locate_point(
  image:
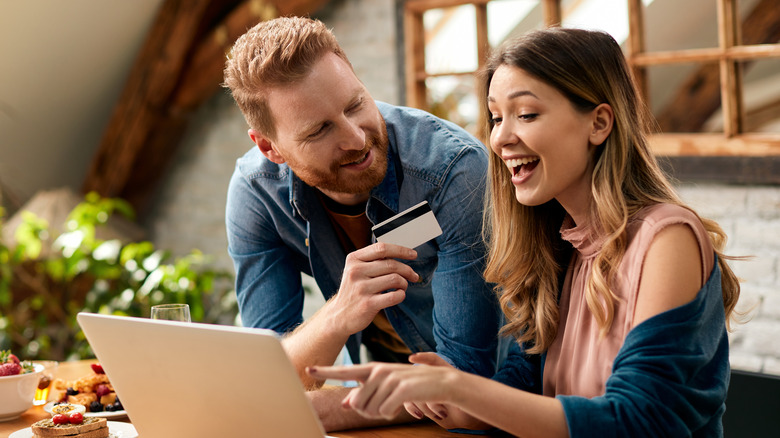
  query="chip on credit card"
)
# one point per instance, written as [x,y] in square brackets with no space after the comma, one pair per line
[410,228]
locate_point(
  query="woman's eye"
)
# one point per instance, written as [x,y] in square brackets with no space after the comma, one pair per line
[529,116]
[496,120]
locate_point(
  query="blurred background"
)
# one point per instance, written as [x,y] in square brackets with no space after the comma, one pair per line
[122,99]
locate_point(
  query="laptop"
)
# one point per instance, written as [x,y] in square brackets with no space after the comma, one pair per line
[201,380]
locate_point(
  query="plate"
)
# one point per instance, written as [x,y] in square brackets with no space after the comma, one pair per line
[116,429]
[105,414]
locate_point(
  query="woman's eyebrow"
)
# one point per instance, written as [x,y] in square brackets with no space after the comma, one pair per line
[515,95]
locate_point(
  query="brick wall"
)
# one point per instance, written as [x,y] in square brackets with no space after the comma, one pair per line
[189,209]
[750,215]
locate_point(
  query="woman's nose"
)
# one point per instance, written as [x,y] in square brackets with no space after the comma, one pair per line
[502,135]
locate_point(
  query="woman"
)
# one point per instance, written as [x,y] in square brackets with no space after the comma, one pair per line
[616,292]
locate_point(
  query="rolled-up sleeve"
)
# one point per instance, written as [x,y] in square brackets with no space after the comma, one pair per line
[466,314]
[268,285]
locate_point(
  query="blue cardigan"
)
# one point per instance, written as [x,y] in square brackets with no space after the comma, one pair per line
[669,379]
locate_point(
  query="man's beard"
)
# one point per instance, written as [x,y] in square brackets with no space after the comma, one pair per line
[339,180]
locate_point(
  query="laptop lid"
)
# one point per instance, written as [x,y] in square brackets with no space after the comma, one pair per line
[200,380]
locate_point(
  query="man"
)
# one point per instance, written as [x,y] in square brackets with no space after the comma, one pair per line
[329,163]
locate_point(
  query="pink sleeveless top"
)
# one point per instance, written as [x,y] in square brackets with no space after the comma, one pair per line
[579,362]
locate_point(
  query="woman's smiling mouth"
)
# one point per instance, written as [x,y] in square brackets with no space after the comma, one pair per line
[524,165]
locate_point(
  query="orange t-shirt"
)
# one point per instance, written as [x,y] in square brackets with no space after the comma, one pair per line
[354,232]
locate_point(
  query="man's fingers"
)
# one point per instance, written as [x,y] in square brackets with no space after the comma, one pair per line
[378,269]
[382,250]
[390,298]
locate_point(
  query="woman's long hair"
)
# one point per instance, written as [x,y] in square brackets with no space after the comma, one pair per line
[526,255]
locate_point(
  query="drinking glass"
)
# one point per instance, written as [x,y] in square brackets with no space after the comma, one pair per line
[44,384]
[172,312]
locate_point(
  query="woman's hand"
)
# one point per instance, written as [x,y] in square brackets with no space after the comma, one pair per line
[446,416]
[437,412]
[386,387]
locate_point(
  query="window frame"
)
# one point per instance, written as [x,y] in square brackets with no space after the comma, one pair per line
[733,156]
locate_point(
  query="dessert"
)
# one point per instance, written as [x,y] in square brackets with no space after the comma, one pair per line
[94,392]
[10,365]
[73,425]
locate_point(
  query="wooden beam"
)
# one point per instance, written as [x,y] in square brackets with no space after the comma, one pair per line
[730,71]
[177,69]
[414,56]
[552,13]
[699,96]
[739,53]
[636,45]
[755,145]
[762,115]
[151,81]
[754,170]
[420,6]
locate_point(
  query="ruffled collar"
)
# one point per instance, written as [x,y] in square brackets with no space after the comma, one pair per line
[583,238]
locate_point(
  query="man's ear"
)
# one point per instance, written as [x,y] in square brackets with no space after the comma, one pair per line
[266,146]
[603,119]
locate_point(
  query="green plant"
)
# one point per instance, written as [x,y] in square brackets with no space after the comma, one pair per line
[45,283]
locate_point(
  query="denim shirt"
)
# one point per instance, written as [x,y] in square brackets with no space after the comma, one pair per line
[277,228]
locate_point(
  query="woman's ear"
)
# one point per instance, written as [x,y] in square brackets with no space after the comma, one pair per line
[266,146]
[603,119]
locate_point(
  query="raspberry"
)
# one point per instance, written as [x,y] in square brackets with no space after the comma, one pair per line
[10,369]
[102,390]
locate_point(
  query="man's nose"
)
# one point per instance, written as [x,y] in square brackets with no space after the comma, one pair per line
[352,136]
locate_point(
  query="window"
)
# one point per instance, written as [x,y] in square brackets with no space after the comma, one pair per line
[709,70]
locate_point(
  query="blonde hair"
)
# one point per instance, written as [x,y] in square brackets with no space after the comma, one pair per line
[273,53]
[526,256]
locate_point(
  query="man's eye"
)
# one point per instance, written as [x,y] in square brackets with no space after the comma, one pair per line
[319,131]
[355,107]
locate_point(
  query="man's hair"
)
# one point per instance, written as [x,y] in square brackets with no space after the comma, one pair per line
[274,53]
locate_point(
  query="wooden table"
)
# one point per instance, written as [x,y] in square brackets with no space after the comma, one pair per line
[75,370]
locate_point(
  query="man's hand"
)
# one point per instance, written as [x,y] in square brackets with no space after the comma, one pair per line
[373,280]
[326,401]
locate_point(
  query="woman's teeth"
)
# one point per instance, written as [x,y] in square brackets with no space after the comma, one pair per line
[515,163]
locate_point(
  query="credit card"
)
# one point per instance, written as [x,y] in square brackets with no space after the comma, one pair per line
[410,228]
